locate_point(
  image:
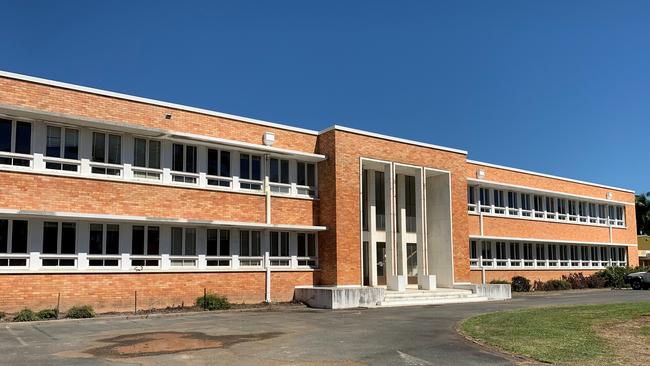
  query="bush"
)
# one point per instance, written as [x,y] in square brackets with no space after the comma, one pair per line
[2,315]
[500,282]
[48,314]
[213,302]
[613,276]
[577,281]
[555,285]
[25,315]
[520,284]
[596,281]
[79,312]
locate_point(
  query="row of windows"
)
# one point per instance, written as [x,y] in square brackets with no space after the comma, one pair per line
[498,254]
[520,204]
[380,201]
[61,238]
[62,153]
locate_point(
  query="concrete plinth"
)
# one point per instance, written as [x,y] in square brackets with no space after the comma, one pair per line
[427,282]
[339,297]
[397,283]
[491,291]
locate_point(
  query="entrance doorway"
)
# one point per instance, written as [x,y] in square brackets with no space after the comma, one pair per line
[412,262]
[381,263]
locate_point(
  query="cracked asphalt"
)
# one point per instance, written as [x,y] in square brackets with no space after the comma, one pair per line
[422,335]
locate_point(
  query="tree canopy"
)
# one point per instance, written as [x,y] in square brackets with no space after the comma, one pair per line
[643,214]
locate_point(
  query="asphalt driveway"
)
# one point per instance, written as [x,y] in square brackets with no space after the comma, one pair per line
[422,335]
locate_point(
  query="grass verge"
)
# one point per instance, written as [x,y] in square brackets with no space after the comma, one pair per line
[560,335]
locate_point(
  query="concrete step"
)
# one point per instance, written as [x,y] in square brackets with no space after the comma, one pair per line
[433,301]
[425,294]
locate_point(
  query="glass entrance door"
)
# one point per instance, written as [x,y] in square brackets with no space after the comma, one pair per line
[381,263]
[412,262]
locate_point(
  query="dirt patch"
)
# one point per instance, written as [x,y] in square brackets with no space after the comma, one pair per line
[158,343]
[630,347]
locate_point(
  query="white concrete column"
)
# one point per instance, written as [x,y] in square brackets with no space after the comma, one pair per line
[372,229]
[401,219]
[394,280]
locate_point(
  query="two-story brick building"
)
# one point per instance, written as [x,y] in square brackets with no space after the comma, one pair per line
[105,194]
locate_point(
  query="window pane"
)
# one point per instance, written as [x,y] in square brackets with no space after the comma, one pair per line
[4,232]
[140,152]
[190,241]
[213,162]
[177,241]
[50,237]
[256,249]
[274,167]
[275,244]
[96,239]
[243,243]
[190,159]
[256,165]
[53,142]
[177,158]
[225,164]
[284,244]
[112,239]
[23,137]
[114,149]
[99,147]
[284,171]
[302,245]
[311,245]
[68,237]
[244,167]
[213,241]
[224,242]
[71,144]
[301,174]
[137,240]
[311,175]
[154,154]
[5,135]
[153,240]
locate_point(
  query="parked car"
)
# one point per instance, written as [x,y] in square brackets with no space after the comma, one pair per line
[638,280]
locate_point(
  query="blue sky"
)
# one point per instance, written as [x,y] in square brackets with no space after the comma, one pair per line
[559,87]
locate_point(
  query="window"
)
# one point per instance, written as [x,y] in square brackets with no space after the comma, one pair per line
[582,211]
[15,137]
[307,248]
[364,200]
[471,197]
[486,253]
[13,239]
[104,240]
[62,142]
[538,202]
[525,204]
[57,241]
[279,171]
[146,154]
[484,196]
[574,256]
[249,243]
[528,255]
[250,169]
[218,242]
[306,178]
[107,148]
[550,207]
[514,252]
[564,255]
[409,200]
[540,253]
[249,246]
[218,166]
[279,248]
[184,160]
[573,210]
[498,198]
[512,200]
[501,254]
[592,212]
[380,204]
[602,214]
[620,216]
[473,252]
[145,240]
[183,244]
[561,208]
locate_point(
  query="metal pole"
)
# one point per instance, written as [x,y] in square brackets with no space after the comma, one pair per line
[267,264]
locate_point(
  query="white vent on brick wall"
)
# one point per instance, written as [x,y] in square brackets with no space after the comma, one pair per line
[480,173]
[269,138]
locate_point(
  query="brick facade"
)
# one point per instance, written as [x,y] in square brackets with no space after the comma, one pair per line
[337,207]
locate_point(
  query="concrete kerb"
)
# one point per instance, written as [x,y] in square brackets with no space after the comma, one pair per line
[491,291]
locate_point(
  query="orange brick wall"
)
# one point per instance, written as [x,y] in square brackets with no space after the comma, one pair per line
[294,211]
[76,103]
[116,292]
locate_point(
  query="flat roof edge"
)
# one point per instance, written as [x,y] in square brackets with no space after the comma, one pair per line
[392,138]
[549,176]
[134,98]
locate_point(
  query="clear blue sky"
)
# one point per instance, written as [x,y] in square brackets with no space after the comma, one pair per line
[560,87]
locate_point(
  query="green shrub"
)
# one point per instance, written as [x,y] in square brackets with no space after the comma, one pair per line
[83,311]
[614,276]
[500,282]
[48,314]
[2,315]
[213,302]
[596,281]
[520,284]
[25,315]
[556,285]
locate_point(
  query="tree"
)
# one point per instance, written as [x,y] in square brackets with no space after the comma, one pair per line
[642,204]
